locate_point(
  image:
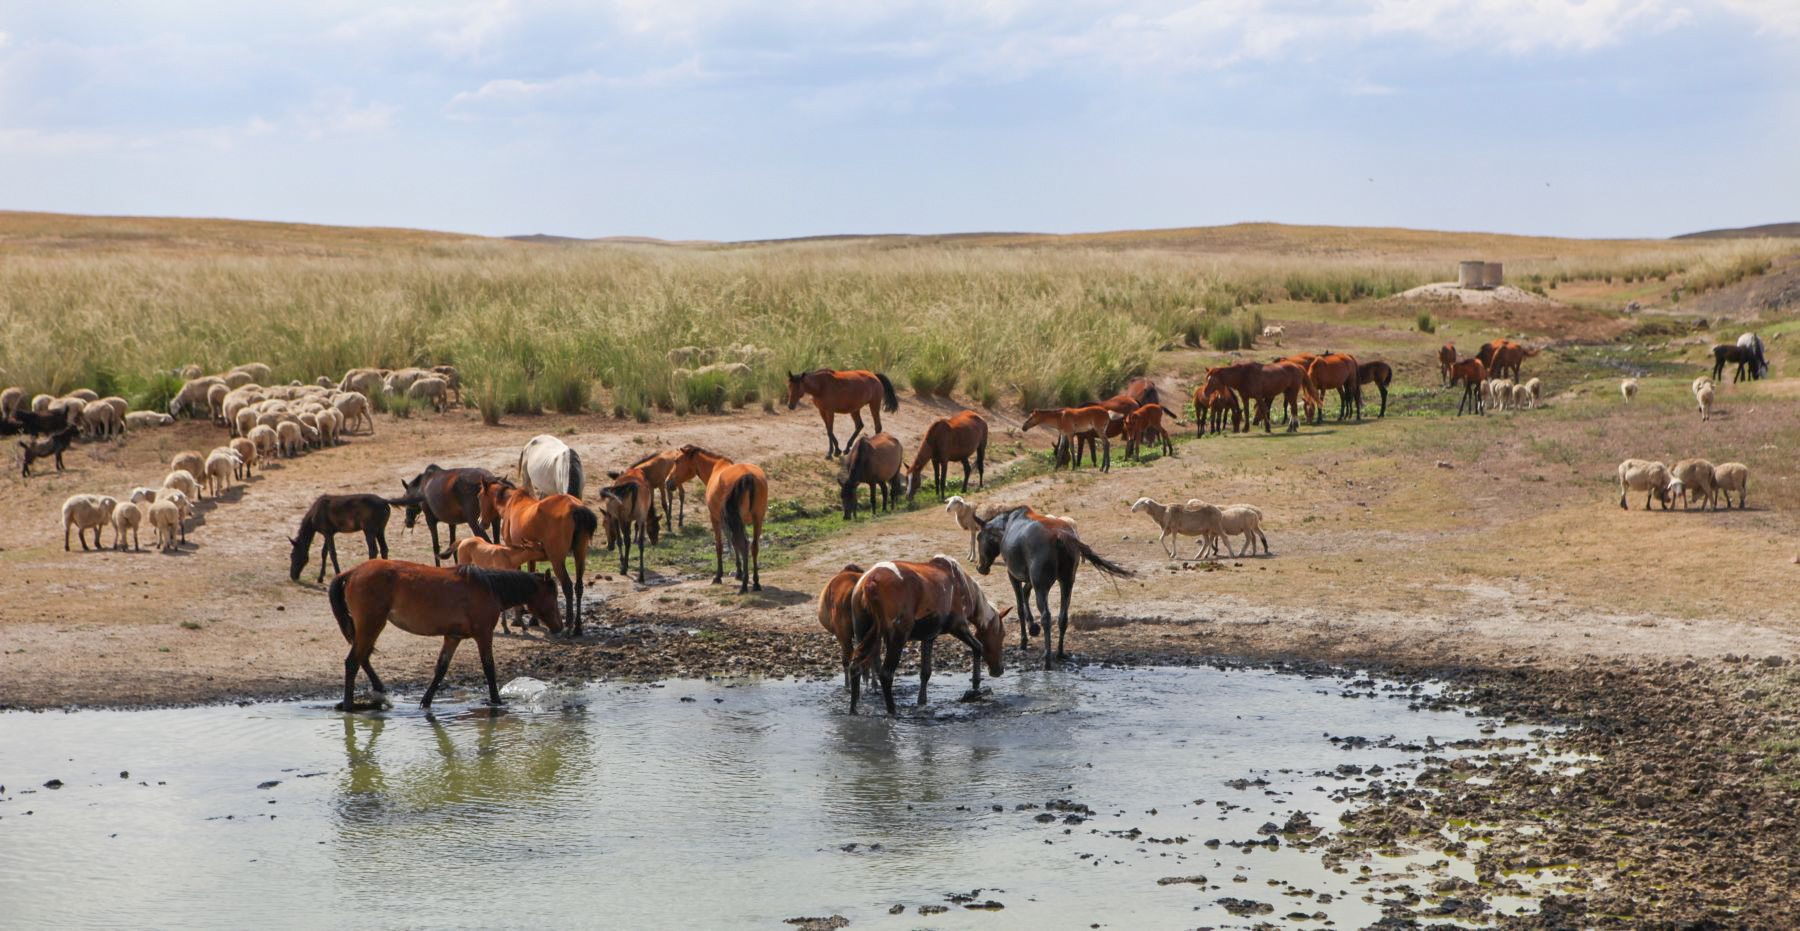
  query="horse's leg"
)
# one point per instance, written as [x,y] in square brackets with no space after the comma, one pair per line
[1043,602]
[640,548]
[875,415]
[975,652]
[485,644]
[855,418]
[443,665]
[830,419]
[1021,594]
[568,587]
[471,508]
[756,525]
[431,525]
[924,668]
[718,554]
[1062,626]
[889,663]
[1106,444]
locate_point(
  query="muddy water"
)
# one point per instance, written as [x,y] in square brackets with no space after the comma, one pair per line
[694,804]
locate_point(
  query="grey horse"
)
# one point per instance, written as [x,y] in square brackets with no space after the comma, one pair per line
[1038,554]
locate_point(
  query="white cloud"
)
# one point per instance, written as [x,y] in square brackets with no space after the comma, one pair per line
[336,112]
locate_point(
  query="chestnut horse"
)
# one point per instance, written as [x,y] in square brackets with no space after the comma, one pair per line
[558,523]
[1379,374]
[875,461]
[1253,381]
[1503,355]
[1073,423]
[1337,371]
[629,504]
[457,604]
[837,393]
[448,495]
[947,440]
[659,471]
[834,614]
[1213,403]
[895,602]
[737,494]
[1145,423]
[1471,372]
[1446,358]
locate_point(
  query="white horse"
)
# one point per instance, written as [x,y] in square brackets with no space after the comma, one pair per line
[547,466]
[1753,342]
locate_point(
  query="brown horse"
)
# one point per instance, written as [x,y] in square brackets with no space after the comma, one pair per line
[1446,358]
[947,440]
[834,614]
[659,470]
[737,494]
[1471,372]
[895,602]
[560,524]
[1254,381]
[484,555]
[1143,391]
[1379,374]
[456,604]
[1145,424]
[1502,356]
[449,495]
[835,393]
[1076,423]
[1212,404]
[874,461]
[334,514]
[629,504]
[1336,371]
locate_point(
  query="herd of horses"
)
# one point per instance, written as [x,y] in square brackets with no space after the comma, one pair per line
[1247,391]
[1494,359]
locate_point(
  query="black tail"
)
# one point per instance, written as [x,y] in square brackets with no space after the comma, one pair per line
[734,521]
[586,522]
[341,608]
[1100,562]
[867,634]
[890,402]
[577,477]
[981,462]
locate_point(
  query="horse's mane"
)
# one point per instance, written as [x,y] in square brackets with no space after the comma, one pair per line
[645,459]
[509,586]
[691,448]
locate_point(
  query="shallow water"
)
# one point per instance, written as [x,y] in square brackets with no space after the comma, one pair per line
[695,804]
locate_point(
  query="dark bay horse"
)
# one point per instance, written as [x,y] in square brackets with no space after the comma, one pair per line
[630,507]
[1379,374]
[947,440]
[1038,554]
[874,461]
[1211,404]
[449,495]
[895,602]
[1471,372]
[457,604]
[835,393]
[558,524]
[334,514]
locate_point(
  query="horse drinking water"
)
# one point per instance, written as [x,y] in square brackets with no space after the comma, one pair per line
[895,602]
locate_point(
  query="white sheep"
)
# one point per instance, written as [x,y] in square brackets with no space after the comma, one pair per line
[1693,479]
[291,438]
[1646,476]
[10,401]
[215,401]
[267,442]
[1698,382]
[246,453]
[256,370]
[119,404]
[355,409]
[87,395]
[243,422]
[1705,397]
[221,465]
[40,404]
[969,517]
[234,379]
[1628,388]
[180,480]
[433,388]
[192,394]
[127,516]
[84,513]
[1536,386]
[165,522]
[1521,397]
[1204,521]
[190,462]
[1273,332]
[362,381]
[191,370]
[1729,477]
[143,494]
[1240,518]
[1499,393]
[399,380]
[102,420]
[330,422]
[138,420]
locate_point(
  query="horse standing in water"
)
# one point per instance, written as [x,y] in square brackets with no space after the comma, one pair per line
[1038,554]
[947,440]
[457,604]
[834,615]
[449,495]
[895,602]
[334,514]
[835,393]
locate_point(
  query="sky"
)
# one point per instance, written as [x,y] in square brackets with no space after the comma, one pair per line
[749,119]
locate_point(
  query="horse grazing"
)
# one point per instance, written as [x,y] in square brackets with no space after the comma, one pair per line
[457,604]
[835,393]
[947,440]
[1254,381]
[560,524]
[334,514]
[1337,371]
[874,461]
[1145,425]
[1038,554]
[1754,343]
[1471,372]
[547,466]
[52,448]
[737,500]
[1379,374]
[895,602]
[1746,359]
[1212,403]
[834,614]
[449,495]
[1075,425]
[1446,358]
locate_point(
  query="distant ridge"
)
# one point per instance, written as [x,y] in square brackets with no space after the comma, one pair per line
[1746,232]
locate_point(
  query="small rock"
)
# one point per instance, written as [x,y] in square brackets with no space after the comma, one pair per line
[269,785]
[53,784]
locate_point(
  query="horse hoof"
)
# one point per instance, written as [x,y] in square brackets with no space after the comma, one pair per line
[1034,628]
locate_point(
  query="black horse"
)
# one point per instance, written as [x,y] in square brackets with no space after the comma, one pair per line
[1039,553]
[334,514]
[1750,357]
[449,495]
[52,447]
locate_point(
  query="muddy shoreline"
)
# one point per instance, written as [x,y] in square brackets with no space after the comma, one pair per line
[1680,814]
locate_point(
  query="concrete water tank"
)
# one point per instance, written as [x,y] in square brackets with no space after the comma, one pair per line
[1490,275]
[1469,274]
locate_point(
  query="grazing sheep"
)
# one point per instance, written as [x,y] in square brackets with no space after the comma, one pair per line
[71,408]
[450,374]
[87,395]
[190,462]
[1204,521]
[192,395]
[165,523]
[40,403]
[127,516]
[310,436]
[324,381]
[84,513]
[362,381]
[1729,477]
[221,465]
[11,400]
[1536,387]
[138,420]
[355,408]
[399,380]
[102,420]
[243,422]
[687,356]
[233,380]
[1521,397]
[1240,518]
[1693,479]
[1628,388]
[267,442]
[190,371]
[433,388]
[118,404]
[290,439]
[1273,332]
[215,401]
[1499,393]
[1705,397]
[1652,478]
[143,494]
[180,480]
[257,371]
[330,423]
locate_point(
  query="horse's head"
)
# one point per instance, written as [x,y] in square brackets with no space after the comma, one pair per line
[1034,418]
[297,557]
[847,492]
[987,542]
[544,603]
[796,390]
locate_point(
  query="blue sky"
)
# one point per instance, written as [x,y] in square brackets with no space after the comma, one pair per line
[735,119]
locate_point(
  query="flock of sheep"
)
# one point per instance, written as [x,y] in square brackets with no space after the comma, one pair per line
[263,423]
[1705,392]
[1690,480]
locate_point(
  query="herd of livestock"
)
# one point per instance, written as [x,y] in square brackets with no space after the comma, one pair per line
[541,515]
